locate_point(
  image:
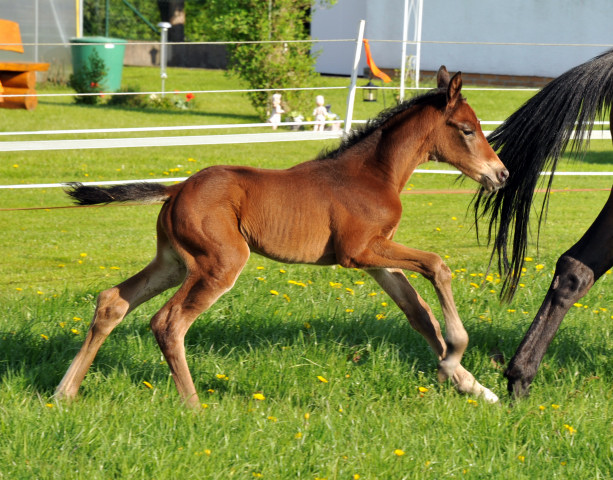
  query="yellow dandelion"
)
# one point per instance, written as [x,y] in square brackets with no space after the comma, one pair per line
[44,337]
[398,452]
[83,255]
[298,435]
[521,458]
[307,415]
[555,406]
[259,268]
[258,396]
[274,292]
[542,408]
[147,384]
[49,405]
[74,330]
[570,429]
[422,389]
[207,452]
[359,282]
[286,297]
[322,379]
[221,376]
[528,259]
[380,316]
[474,285]
[349,310]
[271,418]
[539,266]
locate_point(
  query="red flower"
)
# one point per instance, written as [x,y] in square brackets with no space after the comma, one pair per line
[189,96]
[93,84]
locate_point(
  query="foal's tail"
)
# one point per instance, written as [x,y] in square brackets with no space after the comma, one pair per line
[533,139]
[129,192]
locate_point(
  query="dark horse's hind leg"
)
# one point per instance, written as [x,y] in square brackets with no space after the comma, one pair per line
[576,272]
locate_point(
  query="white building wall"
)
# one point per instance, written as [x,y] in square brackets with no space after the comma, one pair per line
[501,21]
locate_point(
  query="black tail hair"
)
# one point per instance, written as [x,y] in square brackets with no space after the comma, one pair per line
[532,139]
[130,192]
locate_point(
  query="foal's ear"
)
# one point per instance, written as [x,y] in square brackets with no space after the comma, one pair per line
[454,90]
[442,77]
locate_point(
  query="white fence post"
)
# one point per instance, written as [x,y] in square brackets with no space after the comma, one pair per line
[354,77]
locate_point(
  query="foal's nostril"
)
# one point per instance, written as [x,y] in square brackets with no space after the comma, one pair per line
[503,175]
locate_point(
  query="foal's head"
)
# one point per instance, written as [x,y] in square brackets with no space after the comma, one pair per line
[461,142]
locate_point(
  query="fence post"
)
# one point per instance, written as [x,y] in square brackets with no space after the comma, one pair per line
[354,77]
[164,26]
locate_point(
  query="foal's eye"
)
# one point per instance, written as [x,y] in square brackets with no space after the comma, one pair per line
[468,133]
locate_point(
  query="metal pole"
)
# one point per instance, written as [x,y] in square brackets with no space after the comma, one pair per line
[403,61]
[164,26]
[354,77]
[106,18]
[420,7]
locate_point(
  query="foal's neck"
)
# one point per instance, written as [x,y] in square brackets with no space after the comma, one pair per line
[405,144]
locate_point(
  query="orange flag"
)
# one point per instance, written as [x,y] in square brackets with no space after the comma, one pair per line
[373,67]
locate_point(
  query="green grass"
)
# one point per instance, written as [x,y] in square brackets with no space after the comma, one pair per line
[263,343]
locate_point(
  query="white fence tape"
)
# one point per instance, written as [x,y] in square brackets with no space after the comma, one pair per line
[181,179]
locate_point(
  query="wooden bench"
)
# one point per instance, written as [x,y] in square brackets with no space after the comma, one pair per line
[17,78]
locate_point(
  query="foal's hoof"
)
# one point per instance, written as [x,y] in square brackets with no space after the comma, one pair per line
[489,396]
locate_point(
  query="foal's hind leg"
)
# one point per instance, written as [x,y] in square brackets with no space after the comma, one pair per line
[209,276]
[421,318]
[164,272]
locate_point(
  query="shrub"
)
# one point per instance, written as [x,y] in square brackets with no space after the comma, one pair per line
[89,79]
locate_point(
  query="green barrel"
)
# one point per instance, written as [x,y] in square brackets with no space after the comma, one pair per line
[110,50]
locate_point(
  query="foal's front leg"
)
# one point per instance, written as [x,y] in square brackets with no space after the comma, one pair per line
[421,318]
[384,253]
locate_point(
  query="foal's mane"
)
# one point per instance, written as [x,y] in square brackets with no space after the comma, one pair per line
[359,134]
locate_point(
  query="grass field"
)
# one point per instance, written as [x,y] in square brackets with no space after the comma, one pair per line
[345,389]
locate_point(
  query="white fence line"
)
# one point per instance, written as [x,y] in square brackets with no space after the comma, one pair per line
[184,140]
[181,179]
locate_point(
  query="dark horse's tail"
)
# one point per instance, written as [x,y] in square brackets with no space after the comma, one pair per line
[130,192]
[532,139]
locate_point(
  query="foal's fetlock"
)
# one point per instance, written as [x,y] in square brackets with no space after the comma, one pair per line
[446,369]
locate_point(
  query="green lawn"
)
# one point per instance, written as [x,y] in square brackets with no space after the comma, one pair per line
[369,418]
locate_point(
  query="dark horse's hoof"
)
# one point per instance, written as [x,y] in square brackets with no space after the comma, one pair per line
[518,386]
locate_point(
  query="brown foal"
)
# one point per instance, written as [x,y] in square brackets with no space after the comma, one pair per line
[342,208]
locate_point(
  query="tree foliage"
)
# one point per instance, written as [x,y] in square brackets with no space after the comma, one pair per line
[276,64]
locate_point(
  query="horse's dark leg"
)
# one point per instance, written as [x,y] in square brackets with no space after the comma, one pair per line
[576,272]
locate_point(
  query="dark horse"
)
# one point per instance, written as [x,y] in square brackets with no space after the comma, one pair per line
[342,208]
[530,140]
